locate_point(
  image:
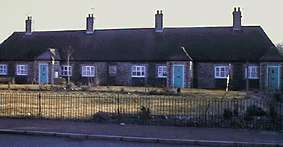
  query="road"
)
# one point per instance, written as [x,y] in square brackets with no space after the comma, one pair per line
[45,141]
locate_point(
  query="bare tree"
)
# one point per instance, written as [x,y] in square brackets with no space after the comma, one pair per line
[68,51]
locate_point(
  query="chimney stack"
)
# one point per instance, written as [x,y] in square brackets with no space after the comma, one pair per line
[237,19]
[159,21]
[28,25]
[89,24]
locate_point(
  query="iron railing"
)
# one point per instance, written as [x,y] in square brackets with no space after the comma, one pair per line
[153,109]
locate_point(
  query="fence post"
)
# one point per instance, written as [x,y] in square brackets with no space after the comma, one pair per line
[39,105]
[280,116]
[118,101]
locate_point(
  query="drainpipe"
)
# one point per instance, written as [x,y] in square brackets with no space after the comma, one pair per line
[190,62]
[228,78]
[52,71]
[247,76]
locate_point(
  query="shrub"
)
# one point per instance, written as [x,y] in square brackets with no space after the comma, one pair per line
[85,88]
[272,112]
[101,116]
[154,92]
[277,97]
[60,81]
[70,86]
[255,111]
[145,114]
[41,87]
[228,114]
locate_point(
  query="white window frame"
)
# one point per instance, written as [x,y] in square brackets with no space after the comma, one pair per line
[138,71]
[66,69]
[22,69]
[218,73]
[88,71]
[162,71]
[3,69]
[253,72]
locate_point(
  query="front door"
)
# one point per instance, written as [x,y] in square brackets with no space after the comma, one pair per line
[43,73]
[178,76]
[273,77]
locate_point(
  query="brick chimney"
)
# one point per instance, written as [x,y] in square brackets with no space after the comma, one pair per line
[28,26]
[237,19]
[89,24]
[159,21]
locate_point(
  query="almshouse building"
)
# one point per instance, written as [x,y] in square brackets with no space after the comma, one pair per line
[200,57]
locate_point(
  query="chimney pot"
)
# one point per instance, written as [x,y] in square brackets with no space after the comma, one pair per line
[29,25]
[237,19]
[159,21]
[89,24]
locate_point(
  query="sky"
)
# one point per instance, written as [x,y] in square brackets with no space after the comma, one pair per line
[50,15]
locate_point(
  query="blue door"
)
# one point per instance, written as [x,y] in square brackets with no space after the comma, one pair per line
[43,73]
[273,77]
[178,76]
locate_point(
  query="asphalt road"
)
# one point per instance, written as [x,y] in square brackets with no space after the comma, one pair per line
[45,141]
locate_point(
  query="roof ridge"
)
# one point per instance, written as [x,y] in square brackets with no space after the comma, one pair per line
[111,29]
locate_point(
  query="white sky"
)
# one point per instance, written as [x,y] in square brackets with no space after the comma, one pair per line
[70,14]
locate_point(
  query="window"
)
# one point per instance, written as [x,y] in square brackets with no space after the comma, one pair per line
[221,72]
[22,70]
[3,69]
[66,70]
[253,72]
[162,71]
[112,70]
[138,71]
[88,71]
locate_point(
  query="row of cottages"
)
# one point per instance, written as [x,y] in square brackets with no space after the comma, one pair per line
[200,57]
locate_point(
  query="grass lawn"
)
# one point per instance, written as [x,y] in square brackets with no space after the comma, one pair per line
[127,100]
[188,92]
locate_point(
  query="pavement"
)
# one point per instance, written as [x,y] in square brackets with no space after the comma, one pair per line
[142,133]
[12,140]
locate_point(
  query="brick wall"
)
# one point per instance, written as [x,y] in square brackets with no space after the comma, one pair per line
[188,77]
[205,75]
[122,77]
[206,78]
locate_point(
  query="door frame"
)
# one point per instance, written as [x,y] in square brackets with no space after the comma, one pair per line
[40,73]
[279,73]
[173,76]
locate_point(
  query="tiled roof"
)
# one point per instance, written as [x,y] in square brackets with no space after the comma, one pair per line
[144,44]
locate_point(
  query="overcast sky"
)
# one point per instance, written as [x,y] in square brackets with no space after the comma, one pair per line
[70,14]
